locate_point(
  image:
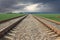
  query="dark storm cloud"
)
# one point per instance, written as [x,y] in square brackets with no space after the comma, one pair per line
[55,5]
[10,5]
[18,7]
[6,4]
[44,1]
[37,1]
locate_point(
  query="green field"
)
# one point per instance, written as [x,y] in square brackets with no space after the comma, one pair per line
[8,16]
[55,17]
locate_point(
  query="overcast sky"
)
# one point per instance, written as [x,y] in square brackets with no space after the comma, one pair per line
[29,5]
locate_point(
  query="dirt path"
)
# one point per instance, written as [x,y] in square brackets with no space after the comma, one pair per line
[30,29]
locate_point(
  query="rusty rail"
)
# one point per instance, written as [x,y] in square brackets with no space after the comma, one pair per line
[6,30]
[49,26]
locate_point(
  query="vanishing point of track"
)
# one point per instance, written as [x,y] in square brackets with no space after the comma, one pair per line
[29,28]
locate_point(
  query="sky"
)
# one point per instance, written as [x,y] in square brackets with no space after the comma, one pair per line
[29,6]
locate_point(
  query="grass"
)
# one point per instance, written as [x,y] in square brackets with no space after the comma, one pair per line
[8,16]
[55,17]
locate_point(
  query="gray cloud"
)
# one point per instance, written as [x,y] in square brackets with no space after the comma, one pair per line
[15,5]
[6,4]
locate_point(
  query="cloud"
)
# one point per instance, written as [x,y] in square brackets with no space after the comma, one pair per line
[38,7]
[5,5]
[30,5]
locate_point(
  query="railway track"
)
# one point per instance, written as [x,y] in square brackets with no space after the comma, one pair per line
[31,28]
[6,26]
[51,24]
